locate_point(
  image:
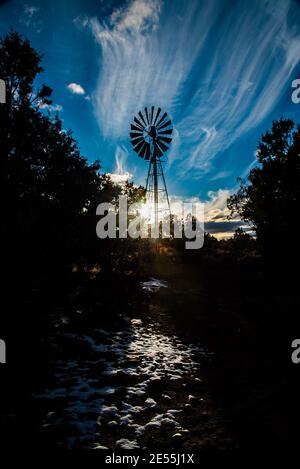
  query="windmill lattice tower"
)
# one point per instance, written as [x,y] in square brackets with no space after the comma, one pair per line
[151,135]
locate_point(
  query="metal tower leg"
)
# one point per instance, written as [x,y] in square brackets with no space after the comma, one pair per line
[155,182]
[155,186]
[148,176]
[165,185]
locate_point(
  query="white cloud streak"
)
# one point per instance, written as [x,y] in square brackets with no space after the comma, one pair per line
[51,107]
[216,206]
[120,174]
[75,88]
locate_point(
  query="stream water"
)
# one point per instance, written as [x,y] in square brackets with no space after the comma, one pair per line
[130,387]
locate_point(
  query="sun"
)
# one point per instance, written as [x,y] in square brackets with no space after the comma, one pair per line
[146,211]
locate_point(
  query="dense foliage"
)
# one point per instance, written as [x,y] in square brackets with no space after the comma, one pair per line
[270,199]
[49,191]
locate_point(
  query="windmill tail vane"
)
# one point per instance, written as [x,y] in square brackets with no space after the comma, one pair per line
[151,135]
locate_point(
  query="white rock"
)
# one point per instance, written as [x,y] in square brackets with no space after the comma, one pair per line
[152,425]
[127,444]
[150,403]
[112,423]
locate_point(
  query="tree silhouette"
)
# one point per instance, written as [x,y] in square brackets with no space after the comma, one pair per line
[270,198]
[50,190]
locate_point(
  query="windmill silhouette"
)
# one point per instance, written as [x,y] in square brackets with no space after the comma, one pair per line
[151,136]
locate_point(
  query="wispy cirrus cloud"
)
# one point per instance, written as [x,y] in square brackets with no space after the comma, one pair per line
[236,59]
[31,17]
[138,16]
[146,55]
[254,55]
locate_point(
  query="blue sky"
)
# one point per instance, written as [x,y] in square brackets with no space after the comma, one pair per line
[222,69]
